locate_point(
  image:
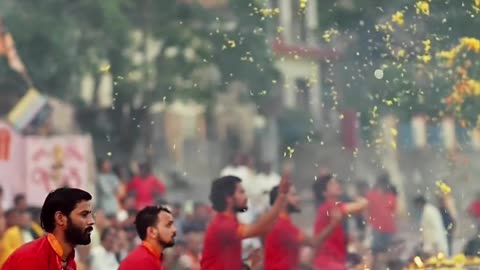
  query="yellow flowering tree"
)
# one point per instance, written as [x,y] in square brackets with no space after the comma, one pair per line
[463,65]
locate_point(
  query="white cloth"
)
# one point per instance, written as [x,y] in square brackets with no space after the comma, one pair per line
[433,232]
[27,236]
[103,259]
[122,215]
[107,186]
[242,172]
[264,183]
[187,262]
[95,238]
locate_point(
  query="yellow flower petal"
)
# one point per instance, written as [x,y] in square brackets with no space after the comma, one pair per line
[398,18]
[231,44]
[105,68]
[424,58]
[394,132]
[443,187]
[423,7]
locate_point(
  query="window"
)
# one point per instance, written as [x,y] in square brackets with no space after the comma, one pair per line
[299,23]
[302,94]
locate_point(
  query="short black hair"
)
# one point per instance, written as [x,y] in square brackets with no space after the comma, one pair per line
[19,197]
[64,200]
[320,186]
[222,188]
[100,163]
[148,217]
[273,195]
[105,233]
[420,199]
[145,167]
[383,181]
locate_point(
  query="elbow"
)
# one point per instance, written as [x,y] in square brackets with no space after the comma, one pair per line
[364,203]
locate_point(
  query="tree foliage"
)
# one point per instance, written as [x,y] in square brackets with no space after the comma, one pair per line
[156,51]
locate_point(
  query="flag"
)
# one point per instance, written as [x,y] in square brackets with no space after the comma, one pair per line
[27,109]
[7,49]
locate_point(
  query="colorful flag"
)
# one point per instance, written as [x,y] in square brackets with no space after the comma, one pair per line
[27,109]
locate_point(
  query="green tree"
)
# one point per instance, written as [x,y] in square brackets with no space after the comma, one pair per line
[61,41]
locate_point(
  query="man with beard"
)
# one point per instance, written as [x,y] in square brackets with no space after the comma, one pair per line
[156,228]
[283,242]
[222,245]
[67,219]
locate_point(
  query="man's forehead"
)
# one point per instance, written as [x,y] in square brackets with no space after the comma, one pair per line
[239,186]
[83,206]
[163,215]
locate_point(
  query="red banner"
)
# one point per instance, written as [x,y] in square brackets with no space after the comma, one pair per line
[5,144]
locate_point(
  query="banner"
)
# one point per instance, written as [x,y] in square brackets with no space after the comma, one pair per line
[12,157]
[55,162]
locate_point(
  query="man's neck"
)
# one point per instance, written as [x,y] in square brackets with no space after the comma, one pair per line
[155,245]
[66,247]
[332,198]
[231,211]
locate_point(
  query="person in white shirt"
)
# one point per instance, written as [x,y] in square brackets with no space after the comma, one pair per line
[434,235]
[103,256]
[239,167]
[265,181]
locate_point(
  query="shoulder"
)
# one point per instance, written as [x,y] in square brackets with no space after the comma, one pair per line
[278,230]
[137,259]
[12,231]
[23,258]
[34,247]
[221,227]
[324,208]
[98,251]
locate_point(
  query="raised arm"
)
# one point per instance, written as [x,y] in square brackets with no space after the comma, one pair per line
[356,206]
[316,240]
[267,220]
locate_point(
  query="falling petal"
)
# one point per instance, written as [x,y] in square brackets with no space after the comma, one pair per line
[394,132]
[394,145]
[443,187]
[105,68]
[398,18]
[232,44]
[423,7]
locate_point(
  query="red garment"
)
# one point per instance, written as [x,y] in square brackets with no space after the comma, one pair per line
[145,257]
[381,211]
[222,247]
[332,252]
[42,254]
[282,245]
[474,209]
[145,189]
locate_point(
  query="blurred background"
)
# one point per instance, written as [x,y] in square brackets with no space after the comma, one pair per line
[109,95]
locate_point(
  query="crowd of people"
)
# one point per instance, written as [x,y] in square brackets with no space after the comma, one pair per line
[247,224]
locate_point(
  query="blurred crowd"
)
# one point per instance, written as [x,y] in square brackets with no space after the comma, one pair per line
[372,235]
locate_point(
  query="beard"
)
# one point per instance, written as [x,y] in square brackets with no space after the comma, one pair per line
[166,244]
[293,209]
[241,209]
[77,236]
